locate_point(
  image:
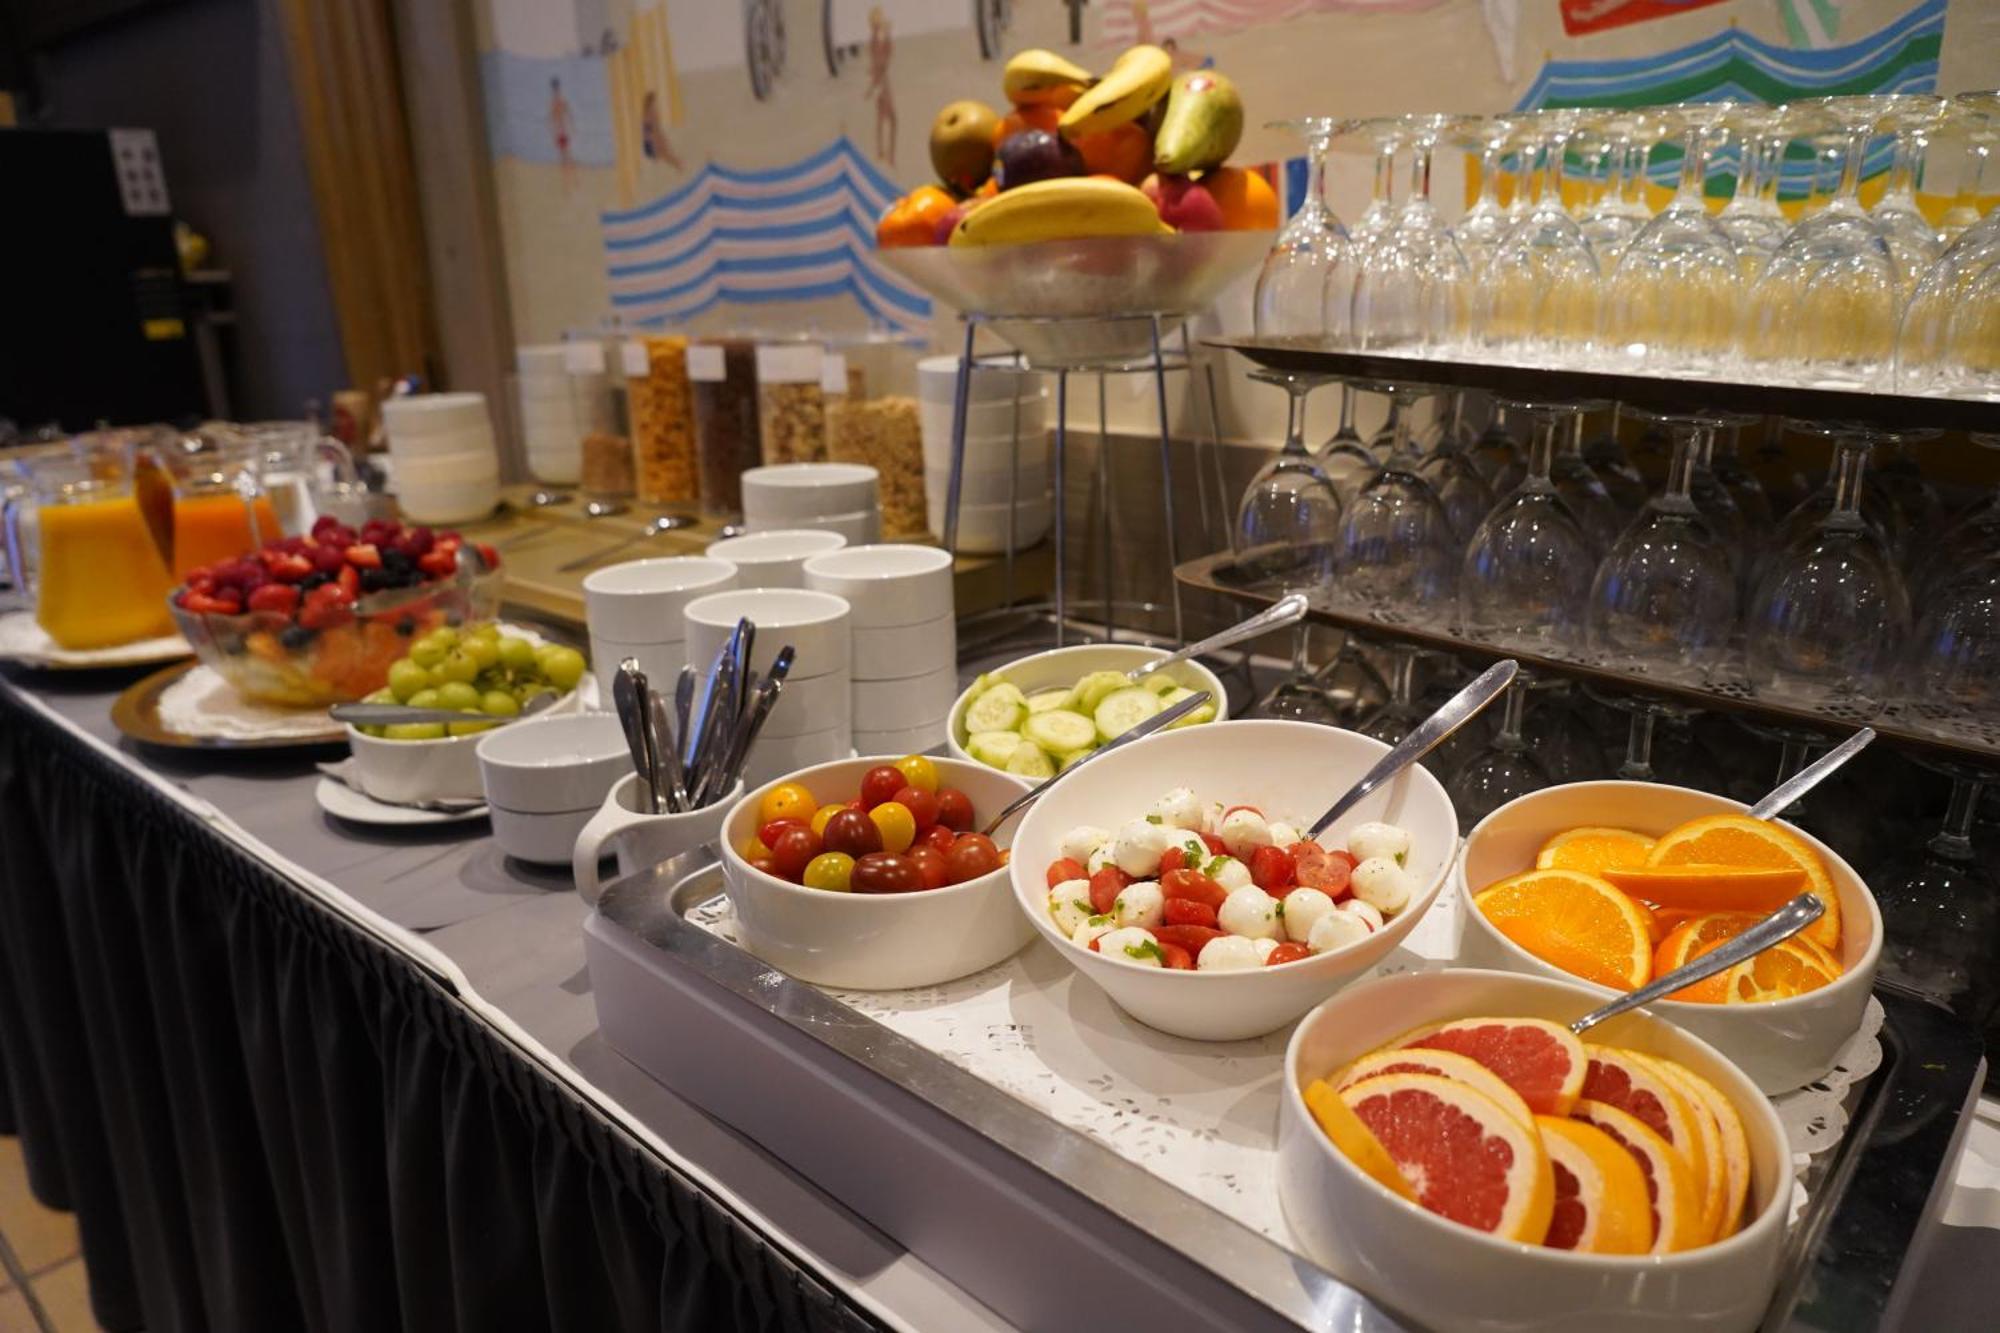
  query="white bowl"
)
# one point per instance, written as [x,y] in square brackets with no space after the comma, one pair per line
[1064,667]
[986,486]
[992,453]
[1782,1045]
[1450,1277]
[937,381]
[982,528]
[888,585]
[890,705]
[924,738]
[900,652]
[474,463]
[558,465]
[811,704]
[419,414]
[543,837]
[662,663]
[992,421]
[639,840]
[446,503]
[862,527]
[802,490]
[1283,768]
[874,941]
[641,601]
[772,757]
[774,558]
[814,623]
[441,770]
[554,765]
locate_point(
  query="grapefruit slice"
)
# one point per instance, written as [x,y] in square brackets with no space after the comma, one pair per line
[1583,924]
[1676,1209]
[1731,1144]
[1626,1080]
[1468,1159]
[1711,1175]
[1540,1060]
[1601,1205]
[1354,1139]
[1445,1064]
[1738,840]
[1593,850]
[1711,888]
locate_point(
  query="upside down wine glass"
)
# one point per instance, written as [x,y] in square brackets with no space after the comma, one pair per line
[1539,297]
[1290,296]
[1619,213]
[1411,282]
[1396,558]
[1950,340]
[1479,232]
[1526,571]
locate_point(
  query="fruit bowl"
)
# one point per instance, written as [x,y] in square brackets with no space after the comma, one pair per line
[1446,1276]
[1295,767]
[1781,1044]
[403,772]
[1087,300]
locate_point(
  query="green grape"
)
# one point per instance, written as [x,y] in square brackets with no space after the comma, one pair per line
[415,731]
[426,698]
[527,690]
[486,652]
[379,733]
[406,678]
[471,728]
[517,654]
[445,635]
[457,694]
[459,667]
[385,695]
[499,703]
[564,668]
[428,652]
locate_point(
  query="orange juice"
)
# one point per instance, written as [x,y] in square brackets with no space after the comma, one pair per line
[216,526]
[102,581]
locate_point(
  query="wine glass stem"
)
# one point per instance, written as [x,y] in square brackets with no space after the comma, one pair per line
[1771,171]
[1489,177]
[1420,174]
[1346,411]
[1694,166]
[1680,470]
[1403,680]
[1850,470]
[1295,417]
[1317,148]
[1542,452]
[1848,194]
[1301,643]
[1513,713]
[1637,158]
[1638,763]
[1902,187]
[1385,174]
[1955,838]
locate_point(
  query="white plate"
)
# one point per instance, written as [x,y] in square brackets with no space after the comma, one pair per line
[25,642]
[347,803]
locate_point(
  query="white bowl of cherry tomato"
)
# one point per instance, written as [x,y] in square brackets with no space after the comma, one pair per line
[870,874]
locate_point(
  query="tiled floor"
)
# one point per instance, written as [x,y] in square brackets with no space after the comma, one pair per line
[42,1245]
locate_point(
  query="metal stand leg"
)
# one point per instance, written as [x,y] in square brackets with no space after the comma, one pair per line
[1061,498]
[960,400]
[1105,536]
[1167,480]
[1013,488]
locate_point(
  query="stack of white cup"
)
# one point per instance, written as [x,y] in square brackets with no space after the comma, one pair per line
[813,721]
[558,406]
[1000,406]
[637,610]
[775,559]
[905,657]
[831,497]
[441,455]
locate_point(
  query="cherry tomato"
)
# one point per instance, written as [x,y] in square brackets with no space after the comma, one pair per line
[852,832]
[1105,886]
[1288,952]
[830,871]
[886,872]
[938,836]
[1188,912]
[970,857]
[795,847]
[921,804]
[879,784]
[954,809]
[930,864]
[1064,869]
[918,772]
[1229,810]
[770,833]
[1192,884]
[896,825]
[1320,869]
[765,864]
[1175,957]
[824,813]
[1191,938]
[1214,844]
[787,800]
[1271,869]
[1172,859]
[754,848]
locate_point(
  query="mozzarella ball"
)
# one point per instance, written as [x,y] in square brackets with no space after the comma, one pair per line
[1130,944]
[1229,872]
[1335,930]
[1211,817]
[1382,884]
[1228,953]
[1243,832]
[1193,850]
[1092,928]
[1250,912]
[1284,833]
[1303,909]
[1069,904]
[1179,809]
[1366,911]
[1265,948]
[1139,903]
[1081,842]
[1137,848]
[1371,840]
[1100,858]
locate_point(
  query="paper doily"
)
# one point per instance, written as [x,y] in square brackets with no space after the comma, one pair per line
[24,641]
[202,703]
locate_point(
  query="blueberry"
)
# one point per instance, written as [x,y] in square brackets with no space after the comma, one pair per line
[311,581]
[296,637]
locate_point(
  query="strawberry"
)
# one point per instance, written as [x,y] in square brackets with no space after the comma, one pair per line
[438,562]
[282,598]
[349,582]
[218,604]
[362,555]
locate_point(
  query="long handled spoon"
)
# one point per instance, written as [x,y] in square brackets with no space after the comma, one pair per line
[1287,610]
[1782,924]
[1803,781]
[1166,717]
[664,523]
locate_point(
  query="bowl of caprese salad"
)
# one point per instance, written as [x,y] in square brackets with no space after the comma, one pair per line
[1176,873]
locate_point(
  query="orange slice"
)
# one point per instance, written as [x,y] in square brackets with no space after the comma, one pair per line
[1354,1139]
[1593,850]
[1626,1080]
[1468,1158]
[1708,888]
[1731,1143]
[1601,1205]
[1788,968]
[1443,1063]
[1693,938]
[1676,1208]
[1581,923]
[1540,1060]
[1738,840]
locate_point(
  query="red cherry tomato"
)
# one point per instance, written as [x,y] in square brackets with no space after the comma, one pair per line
[1105,886]
[765,864]
[938,836]
[1271,869]
[880,784]
[886,872]
[1064,869]
[1214,844]
[1229,810]
[930,864]
[1320,869]
[954,809]
[795,846]
[922,805]
[1288,952]
[1193,884]
[970,857]
[852,832]
[1174,858]
[768,834]
[1175,957]
[1188,912]
[1191,938]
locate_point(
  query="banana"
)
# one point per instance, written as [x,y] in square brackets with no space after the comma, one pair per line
[1141,77]
[1033,78]
[1058,209]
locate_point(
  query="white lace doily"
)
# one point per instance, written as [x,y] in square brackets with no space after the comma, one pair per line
[202,703]
[24,641]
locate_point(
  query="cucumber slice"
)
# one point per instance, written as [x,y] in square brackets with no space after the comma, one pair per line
[1161,683]
[993,748]
[1205,713]
[1122,710]
[1041,701]
[1070,760]
[1092,689]
[1028,761]
[1059,731]
[1000,708]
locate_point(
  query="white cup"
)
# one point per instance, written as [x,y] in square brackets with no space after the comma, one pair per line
[641,601]
[937,382]
[814,623]
[662,663]
[641,841]
[546,777]
[886,585]
[861,528]
[413,416]
[451,502]
[461,465]
[774,559]
[982,528]
[815,703]
[898,652]
[889,705]
[801,490]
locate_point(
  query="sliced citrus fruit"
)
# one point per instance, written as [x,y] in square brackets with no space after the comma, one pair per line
[1443,1063]
[1738,840]
[1693,938]
[1711,1170]
[1628,1081]
[1711,888]
[1581,923]
[1467,1158]
[1354,1139]
[1540,1060]
[1676,1209]
[1592,850]
[1826,957]
[1601,1205]
[1787,968]
[1731,1143]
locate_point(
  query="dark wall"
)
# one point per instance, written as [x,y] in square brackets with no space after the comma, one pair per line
[209,76]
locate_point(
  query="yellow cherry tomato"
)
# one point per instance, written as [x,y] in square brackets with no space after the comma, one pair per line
[896,824]
[824,813]
[919,772]
[787,800]
[753,849]
[830,871]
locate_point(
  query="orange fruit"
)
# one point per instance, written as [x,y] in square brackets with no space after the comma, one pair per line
[1690,940]
[1711,888]
[1466,1157]
[1354,1139]
[1443,1063]
[1581,923]
[1540,1060]
[1738,840]
[1601,1205]
[1593,850]
[1124,151]
[1730,1144]
[1026,118]
[1788,968]
[1676,1207]
[1247,201]
[913,219]
[1625,1079]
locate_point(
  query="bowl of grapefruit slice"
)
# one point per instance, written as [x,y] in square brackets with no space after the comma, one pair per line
[1614,883]
[1446,1144]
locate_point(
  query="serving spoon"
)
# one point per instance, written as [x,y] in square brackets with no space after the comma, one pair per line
[664,523]
[1287,610]
[391,715]
[1782,924]
[1166,717]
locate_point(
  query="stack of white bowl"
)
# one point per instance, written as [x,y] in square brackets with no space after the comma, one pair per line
[774,559]
[558,407]
[832,497]
[1001,407]
[442,457]
[905,657]
[813,721]
[636,610]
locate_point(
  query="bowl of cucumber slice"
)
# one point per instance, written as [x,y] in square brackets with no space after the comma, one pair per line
[1034,717]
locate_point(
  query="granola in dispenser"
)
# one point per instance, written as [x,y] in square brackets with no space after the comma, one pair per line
[662,411]
[791,407]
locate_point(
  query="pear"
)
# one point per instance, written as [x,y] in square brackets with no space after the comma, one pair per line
[1202,126]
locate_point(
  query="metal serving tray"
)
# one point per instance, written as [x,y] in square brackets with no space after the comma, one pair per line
[1053,1229]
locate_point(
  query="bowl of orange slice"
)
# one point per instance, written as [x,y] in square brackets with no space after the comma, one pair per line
[1615,883]
[1449,1146]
